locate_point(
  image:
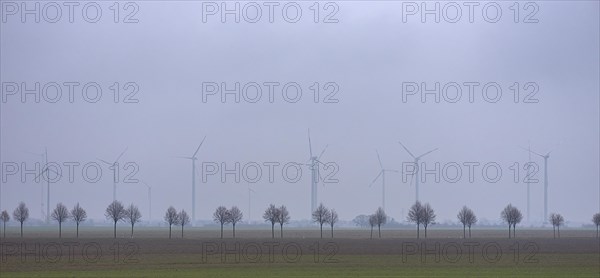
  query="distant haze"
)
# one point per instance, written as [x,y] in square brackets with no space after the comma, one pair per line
[369,53]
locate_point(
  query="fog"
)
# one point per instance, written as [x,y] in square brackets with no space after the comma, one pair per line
[369,55]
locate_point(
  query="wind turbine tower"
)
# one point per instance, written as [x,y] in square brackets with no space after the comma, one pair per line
[250,191]
[545,157]
[149,201]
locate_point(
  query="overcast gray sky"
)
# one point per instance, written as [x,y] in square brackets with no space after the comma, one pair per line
[369,53]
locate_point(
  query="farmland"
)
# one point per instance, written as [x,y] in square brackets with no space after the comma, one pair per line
[301,253]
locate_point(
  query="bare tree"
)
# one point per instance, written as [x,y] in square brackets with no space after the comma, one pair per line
[184,219]
[415,215]
[115,212]
[171,218]
[21,214]
[372,222]
[235,216]
[132,215]
[557,220]
[361,220]
[512,216]
[596,220]
[320,215]
[221,215]
[78,215]
[380,219]
[428,216]
[60,214]
[467,217]
[332,218]
[272,215]
[283,218]
[5,218]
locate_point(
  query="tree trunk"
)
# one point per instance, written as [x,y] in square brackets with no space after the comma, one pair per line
[425,226]
[508,230]
[221,230]
[514,230]
[59,230]
[558,229]
[554,230]
[115,230]
[4,234]
[469,231]
[331,230]
[371,232]
[464,231]
[321,230]
[131,230]
[596,230]
[273,230]
[233,230]
[21,228]
[170,231]
[77,229]
[418,231]
[182,231]
[281,230]
[379,230]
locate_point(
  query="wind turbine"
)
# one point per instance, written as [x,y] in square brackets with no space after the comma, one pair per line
[41,187]
[314,167]
[193,159]
[416,162]
[115,168]
[382,175]
[250,191]
[545,157]
[149,201]
[47,171]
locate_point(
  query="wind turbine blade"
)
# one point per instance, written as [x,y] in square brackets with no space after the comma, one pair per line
[406,149]
[185,157]
[60,175]
[392,170]
[199,147]
[375,179]
[41,173]
[379,158]
[323,151]
[108,163]
[309,143]
[121,154]
[529,150]
[427,153]
[38,154]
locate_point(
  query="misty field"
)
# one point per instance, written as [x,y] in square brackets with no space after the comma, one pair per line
[301,253]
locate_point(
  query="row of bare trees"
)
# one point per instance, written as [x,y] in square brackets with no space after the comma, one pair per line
[323,215]
[172,217]
[60,214]
[279,215]
[378,218]
[223,216]
[420,214]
